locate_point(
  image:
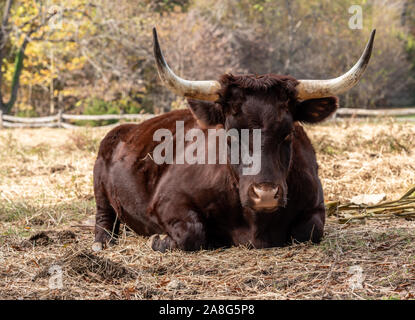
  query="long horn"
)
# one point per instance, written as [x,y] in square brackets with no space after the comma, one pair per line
[311,89]
[200,90]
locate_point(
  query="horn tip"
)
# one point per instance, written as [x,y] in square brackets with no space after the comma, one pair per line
[372,37]
[371,41]
[156,45]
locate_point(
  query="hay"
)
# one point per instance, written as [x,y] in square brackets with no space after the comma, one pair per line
[46,188]
[404,207]
[85,263]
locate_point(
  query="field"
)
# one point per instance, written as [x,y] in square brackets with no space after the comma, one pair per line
[47,209]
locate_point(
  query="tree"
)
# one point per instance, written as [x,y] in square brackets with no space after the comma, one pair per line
[408,22]
[28,29]
[312,40]
[24,23]
[103,48]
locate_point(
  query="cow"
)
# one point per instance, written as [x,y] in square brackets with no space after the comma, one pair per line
[200,206]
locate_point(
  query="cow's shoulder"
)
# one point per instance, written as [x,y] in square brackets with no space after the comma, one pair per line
[137,139]
[113,138]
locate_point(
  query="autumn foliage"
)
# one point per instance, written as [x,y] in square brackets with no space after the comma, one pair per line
[72,55]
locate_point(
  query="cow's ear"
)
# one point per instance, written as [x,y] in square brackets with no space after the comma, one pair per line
[207,114]
[315,110]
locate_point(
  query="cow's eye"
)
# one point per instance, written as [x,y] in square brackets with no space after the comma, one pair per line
[235,112]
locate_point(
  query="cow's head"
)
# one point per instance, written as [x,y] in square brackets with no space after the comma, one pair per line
[268,102]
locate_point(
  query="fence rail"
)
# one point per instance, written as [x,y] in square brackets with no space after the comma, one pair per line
[376,113]
[58,120]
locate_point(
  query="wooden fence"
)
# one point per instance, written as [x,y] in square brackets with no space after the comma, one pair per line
[58,120]
[349,112]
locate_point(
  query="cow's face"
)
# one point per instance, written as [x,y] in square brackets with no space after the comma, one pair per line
[267,103]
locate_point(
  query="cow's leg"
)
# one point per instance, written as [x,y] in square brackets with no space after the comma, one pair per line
[309,226]
[185,232]
[107,225]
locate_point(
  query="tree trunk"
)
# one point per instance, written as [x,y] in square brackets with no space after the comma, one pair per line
[3,39]
[18,67]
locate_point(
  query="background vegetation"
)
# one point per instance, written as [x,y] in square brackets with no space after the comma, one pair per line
[95,57]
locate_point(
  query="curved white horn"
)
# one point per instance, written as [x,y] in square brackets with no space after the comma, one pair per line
[200,90]
[312,89]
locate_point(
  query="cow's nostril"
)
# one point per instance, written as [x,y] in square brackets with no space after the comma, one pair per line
[259,192]
[256,192]
[276,193]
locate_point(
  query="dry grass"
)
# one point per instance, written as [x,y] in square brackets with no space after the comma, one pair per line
[46,196]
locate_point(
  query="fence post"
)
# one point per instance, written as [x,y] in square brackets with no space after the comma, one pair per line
[1,119]
[60,118]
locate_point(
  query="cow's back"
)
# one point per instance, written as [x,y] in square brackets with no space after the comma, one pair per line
[138,138]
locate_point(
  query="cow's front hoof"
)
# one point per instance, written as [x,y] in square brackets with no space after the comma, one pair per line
[104,242]
[97,246]
[158,242]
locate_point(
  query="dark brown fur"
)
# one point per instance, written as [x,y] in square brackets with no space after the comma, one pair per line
[208,206]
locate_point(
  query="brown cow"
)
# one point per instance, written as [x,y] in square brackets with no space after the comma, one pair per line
[193,206]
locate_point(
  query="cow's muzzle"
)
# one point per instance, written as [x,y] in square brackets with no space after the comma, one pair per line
[265,196]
